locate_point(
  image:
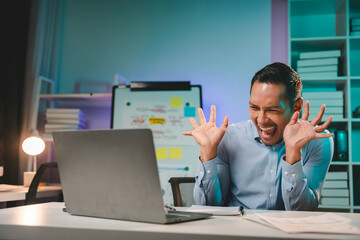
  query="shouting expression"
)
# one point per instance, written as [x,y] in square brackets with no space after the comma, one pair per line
[270,111]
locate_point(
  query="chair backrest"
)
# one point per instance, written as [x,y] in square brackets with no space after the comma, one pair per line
[31,194]
[182,188]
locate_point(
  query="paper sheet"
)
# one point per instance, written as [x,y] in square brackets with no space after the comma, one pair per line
[324,223]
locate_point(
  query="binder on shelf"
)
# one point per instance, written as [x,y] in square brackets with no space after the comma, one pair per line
[343,201]
[335,192]
[317,69]
[61,126]
[335,116]
[323,95]
[64,110]
[327,102]
[337,175]
[328,110]
[309,75]
[335,184]
[63,119]
[66,121]
[63,115]
[355,33]
[355,21]
[317,62]
[320,54]
[355,28]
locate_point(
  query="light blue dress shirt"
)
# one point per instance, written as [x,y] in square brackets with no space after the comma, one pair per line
[249,173]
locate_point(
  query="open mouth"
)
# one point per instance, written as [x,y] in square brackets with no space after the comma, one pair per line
[267,132]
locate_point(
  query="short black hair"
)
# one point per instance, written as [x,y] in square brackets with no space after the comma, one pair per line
[280,73]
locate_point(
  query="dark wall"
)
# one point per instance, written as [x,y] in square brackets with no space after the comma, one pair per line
[14,25]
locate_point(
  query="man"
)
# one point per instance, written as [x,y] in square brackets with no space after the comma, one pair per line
[275,161]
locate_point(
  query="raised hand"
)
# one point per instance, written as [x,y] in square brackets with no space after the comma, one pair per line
[207,135]
[297,134]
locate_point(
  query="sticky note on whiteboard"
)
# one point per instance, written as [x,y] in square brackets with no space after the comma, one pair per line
[153,121]
[189,111]
[161,153]
[175,153]
[175,102]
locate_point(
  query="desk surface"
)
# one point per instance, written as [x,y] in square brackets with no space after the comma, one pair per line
[48,221]
[18,192]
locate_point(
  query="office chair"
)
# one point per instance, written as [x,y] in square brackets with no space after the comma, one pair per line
[175,182]
[31,194]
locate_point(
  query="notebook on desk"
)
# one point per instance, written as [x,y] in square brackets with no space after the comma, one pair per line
[113,174]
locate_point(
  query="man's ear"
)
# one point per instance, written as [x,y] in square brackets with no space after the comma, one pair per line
[298,105]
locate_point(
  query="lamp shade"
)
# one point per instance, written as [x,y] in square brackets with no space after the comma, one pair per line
[33,146]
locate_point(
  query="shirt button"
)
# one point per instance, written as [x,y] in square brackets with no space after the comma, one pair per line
[293,175]
[274,148]
[270,195]
[271,171]
[290,195]
[201,172]
[286,173]
[208,171]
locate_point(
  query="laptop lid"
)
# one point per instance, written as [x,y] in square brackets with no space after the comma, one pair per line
[111,174]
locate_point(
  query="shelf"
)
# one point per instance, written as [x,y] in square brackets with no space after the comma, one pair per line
[82,100]
[75,96]
[318,43]
[334,206]
[354,56]
[307,18]
[344,120]
[95,106]
[355,140]
[355,99]
[337,80]
[354,10]
[325,84]
[320,25]
[356,184]
[339,163]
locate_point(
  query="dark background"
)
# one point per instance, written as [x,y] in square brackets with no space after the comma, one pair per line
[14,26]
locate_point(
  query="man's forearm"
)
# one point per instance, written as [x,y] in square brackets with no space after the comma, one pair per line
[207,187]
[296,193]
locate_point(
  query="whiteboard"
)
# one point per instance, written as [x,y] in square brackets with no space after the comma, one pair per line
[167,114]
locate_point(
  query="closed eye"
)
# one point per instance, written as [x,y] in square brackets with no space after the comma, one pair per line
[254,107]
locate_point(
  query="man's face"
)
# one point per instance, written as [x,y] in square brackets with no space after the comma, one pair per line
[270,111]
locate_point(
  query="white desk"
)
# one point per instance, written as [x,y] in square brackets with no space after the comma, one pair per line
[48,221]
[18,193]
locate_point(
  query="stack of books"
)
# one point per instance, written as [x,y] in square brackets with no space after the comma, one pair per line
[63,119]
[318,64]
[333,100]
[355,27]
[335,190]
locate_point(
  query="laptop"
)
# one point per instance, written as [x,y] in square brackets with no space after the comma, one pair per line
[113,174]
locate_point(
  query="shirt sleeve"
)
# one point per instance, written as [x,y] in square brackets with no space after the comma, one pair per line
[302,182]
[213,180]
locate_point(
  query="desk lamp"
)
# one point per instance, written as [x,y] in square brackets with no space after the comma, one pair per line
[32,146]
